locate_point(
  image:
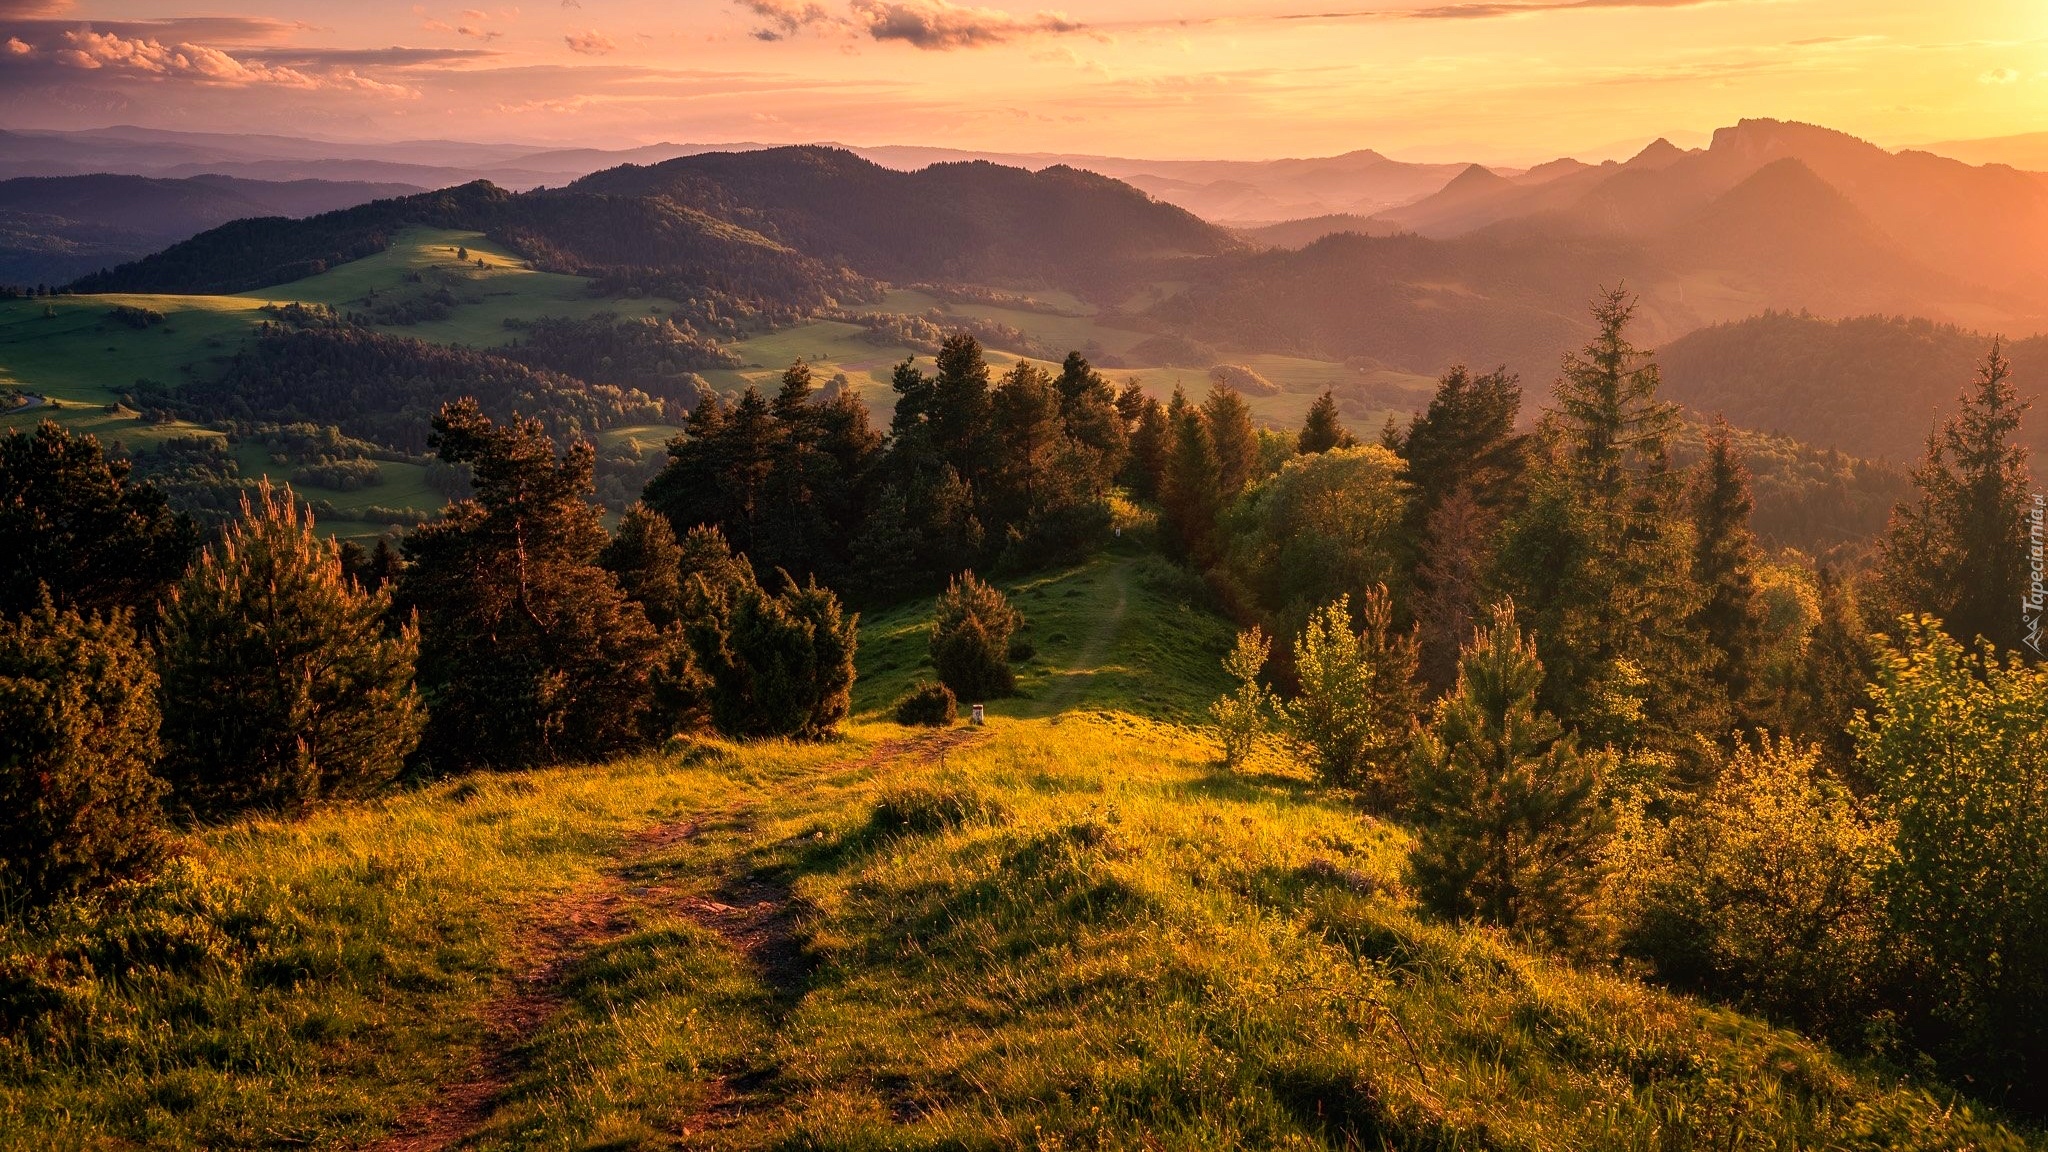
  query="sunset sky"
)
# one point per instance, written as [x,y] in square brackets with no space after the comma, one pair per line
[1495,80]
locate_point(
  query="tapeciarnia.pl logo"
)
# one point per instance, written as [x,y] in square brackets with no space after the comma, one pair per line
[2034,607]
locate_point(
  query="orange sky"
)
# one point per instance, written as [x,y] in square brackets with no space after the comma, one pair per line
[1495,80]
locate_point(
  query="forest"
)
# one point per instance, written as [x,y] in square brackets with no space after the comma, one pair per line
[1594,707]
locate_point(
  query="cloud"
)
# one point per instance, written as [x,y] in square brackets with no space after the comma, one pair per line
[15,46]
[11,10]
[590,43]
[1999,76]
[484,34]
[394,57]
[936,25]
[113,55]
[786,18]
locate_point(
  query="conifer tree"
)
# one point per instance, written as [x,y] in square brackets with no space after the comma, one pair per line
[1960,550]
[1356,708]
[1242,714]
[1324,428]
[1464,439]
[645,558]
[1599,554]
[280,683]
[1831,681]
[530,651]
[1236,441]
[959,416]
[970,639]
[1191,484]
[1508,823]
[1090,411]
[78,735]
[1151,441]
[1724,564]
[72,522]
[772,664]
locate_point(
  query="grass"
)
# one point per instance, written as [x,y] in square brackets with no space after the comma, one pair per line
[1069,929]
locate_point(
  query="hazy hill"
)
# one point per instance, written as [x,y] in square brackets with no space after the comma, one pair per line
[1870,385]
[964,221]
[55,229]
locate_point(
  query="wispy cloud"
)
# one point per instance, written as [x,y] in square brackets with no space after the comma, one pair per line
[938,25]
[590,43]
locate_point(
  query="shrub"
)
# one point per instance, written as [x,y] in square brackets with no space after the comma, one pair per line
[1355,713]
[1508,822]
[71,521]
[928,705]
[971,639]
[1957,745]
[776,664]
[1764,889]
[78,732]
[1241,716]
[280,682]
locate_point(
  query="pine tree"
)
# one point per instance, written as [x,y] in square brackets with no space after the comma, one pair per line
[1191,485]
[78,734]
[773,664]
[280,683]
[1355,710]
[1450,581]
[1508,822]
[959,416]
[1464,439]
[1236,441]
[1725,560]
[1960,551]
[1323,429]
[970,639]
[530,652]
[1090,411]
[1151,441]
[1599,554]
[644,557]
[1831,681]
[72,522]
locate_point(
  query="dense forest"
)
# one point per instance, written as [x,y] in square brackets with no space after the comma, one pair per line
[1615,724]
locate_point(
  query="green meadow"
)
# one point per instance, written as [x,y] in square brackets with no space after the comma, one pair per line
[1069,929]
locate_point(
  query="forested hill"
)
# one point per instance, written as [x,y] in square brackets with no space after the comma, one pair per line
[963,221]
[1871,385]
[785,229]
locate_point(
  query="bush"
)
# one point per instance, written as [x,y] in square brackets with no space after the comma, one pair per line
[928,705]
[78,732]
[1355,713]
[1508,818]
[1763,890]
[776,665]
[1242,715]
[280,683]
[971,639]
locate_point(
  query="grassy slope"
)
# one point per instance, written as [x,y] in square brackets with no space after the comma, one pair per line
[1069,930]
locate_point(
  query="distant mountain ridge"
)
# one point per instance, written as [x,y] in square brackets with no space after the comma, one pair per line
[56,229]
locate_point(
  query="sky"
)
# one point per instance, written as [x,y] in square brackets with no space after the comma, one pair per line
[1503,81]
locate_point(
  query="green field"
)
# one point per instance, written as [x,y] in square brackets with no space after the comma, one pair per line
[79,360]
[1070,929]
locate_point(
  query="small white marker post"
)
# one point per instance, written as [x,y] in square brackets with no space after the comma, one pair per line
[978,717]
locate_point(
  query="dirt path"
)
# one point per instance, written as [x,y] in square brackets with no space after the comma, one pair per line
[756,916]
[1093,650]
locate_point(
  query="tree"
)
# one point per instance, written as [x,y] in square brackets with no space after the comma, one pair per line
[1327,525]
[1355,710]
[970,640]
[959,416]
[1764,889]
[1191,484]
[1094,420]
[1599,554]
[1236,440]
[280,683]
[1242,714]
[78,734]
[1464,439]
[1450,583]
[1830,682]
[1957,744]
[72,522]
[529,651]
[1151,441]
[644,557]
[1960,551]
[1725,563]
[777,664]
[1323,429]
[1508,822]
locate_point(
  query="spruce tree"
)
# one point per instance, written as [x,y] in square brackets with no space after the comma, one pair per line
[280,683]
[970,639]
[1508,820]
[530,652]
[1725,559]
[1464,439]
[72,522]
[1323,429]
[1355,710]
[647,561]
[78,735]
[1236,441]
[1960,550]
[1191,485]
[1090,411]
[773,664]
[1151,442]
